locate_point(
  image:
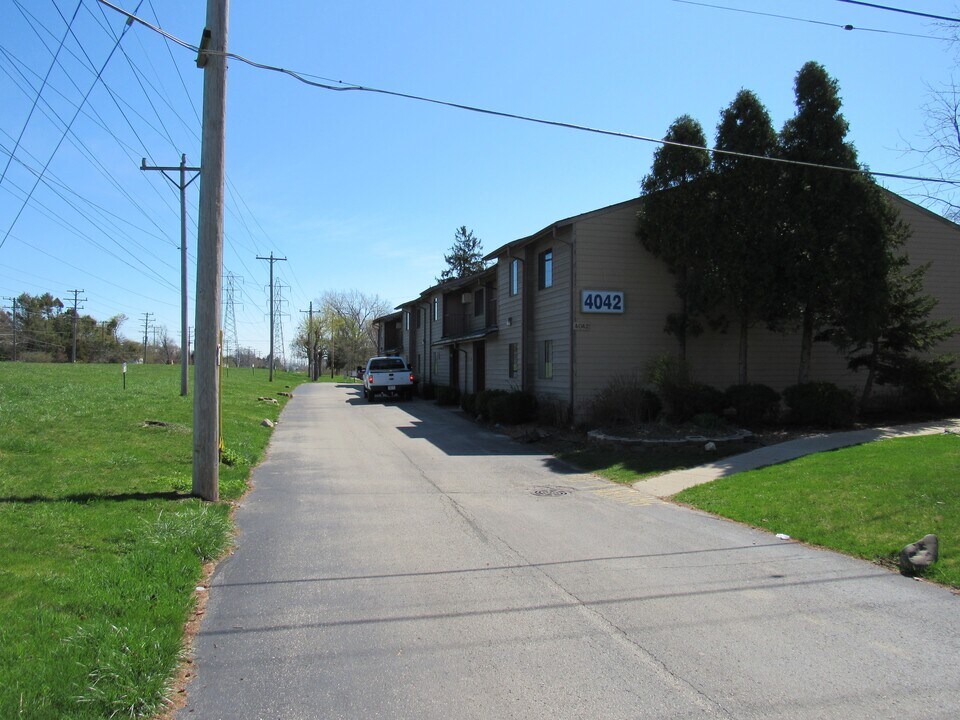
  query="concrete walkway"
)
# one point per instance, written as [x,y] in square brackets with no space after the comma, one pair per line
[671,483]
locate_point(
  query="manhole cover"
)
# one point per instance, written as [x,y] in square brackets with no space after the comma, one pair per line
[551,491]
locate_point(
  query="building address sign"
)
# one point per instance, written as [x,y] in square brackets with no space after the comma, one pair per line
[601,301]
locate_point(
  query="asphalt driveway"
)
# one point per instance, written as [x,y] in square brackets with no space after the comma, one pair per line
[396,561]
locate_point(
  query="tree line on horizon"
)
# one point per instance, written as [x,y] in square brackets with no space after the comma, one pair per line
[41,330]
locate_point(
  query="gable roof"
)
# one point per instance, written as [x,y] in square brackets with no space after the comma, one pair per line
[560,224]
[451,285]
[920,208]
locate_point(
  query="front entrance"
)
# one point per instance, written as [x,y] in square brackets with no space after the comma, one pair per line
[454,368]
[479,366]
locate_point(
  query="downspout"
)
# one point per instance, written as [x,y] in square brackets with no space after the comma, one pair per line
[423,340]
[573,309]
[522,289]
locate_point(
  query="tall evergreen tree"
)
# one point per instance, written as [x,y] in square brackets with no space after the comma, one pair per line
[673,222]
[819,207]
[890,333]
[746,204]
[465,256]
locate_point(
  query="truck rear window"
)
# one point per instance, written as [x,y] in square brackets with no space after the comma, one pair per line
[387,364]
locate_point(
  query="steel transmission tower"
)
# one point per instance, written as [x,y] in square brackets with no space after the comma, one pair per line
[273,316]
[278,321]
[231,341]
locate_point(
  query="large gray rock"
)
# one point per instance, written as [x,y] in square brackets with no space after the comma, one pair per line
[918,556]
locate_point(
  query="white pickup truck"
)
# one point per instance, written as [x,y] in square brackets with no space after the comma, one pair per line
[387,375]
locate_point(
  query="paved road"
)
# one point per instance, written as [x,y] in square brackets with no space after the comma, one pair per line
[396,561]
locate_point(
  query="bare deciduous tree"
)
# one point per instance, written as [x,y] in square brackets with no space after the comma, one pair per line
[349,332]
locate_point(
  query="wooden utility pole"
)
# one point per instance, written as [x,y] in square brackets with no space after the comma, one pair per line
[273,315]
[76,293]
[182,185]
[13,325]
[146,326]
[206,396]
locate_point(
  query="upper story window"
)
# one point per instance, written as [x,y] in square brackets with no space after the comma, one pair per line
[478,302]
[514,276]
[436,308]
[420,312]
[545,269]
[406,319]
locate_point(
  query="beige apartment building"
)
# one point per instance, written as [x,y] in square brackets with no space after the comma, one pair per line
[562,311]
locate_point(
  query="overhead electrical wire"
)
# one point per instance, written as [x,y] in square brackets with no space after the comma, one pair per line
[233,192]
[81,146]
[110,92]
[847,27]
[67,225]
[43,84]
[901,10]
[176,66]
[74,267]
[139,77]
[109,216]
[63,136]
[340,86]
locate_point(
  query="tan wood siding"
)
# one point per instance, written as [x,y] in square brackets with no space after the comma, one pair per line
[937,241]
[551,317]
[509,324]
[610,257]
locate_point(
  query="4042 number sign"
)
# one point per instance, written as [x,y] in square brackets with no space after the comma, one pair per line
[601,301]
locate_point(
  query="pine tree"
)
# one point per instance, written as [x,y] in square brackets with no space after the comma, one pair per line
[465,256]
[898,352]
[672,222]
[746,205]
[820,206]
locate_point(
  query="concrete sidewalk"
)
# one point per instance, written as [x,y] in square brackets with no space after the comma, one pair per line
[671,483]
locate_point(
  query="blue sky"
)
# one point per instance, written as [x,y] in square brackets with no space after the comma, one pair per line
[363,191]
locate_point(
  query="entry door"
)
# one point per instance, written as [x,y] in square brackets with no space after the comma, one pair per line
[454,368]
[479,366]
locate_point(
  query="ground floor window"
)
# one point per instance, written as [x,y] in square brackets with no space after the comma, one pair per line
[513,360]
[436,364]
[546,360]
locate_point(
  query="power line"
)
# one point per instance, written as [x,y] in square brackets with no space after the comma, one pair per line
[901,10]
[348,87]
[49,281]
[78,143]
[806,20]
[52,179]
[64,135]
[177,67]
[63,222]
[43,84]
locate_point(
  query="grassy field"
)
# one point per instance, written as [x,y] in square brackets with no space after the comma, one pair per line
[868,501]
[101,547]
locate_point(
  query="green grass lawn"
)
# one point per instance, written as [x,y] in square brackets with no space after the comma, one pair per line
[101,547]
[868,501]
